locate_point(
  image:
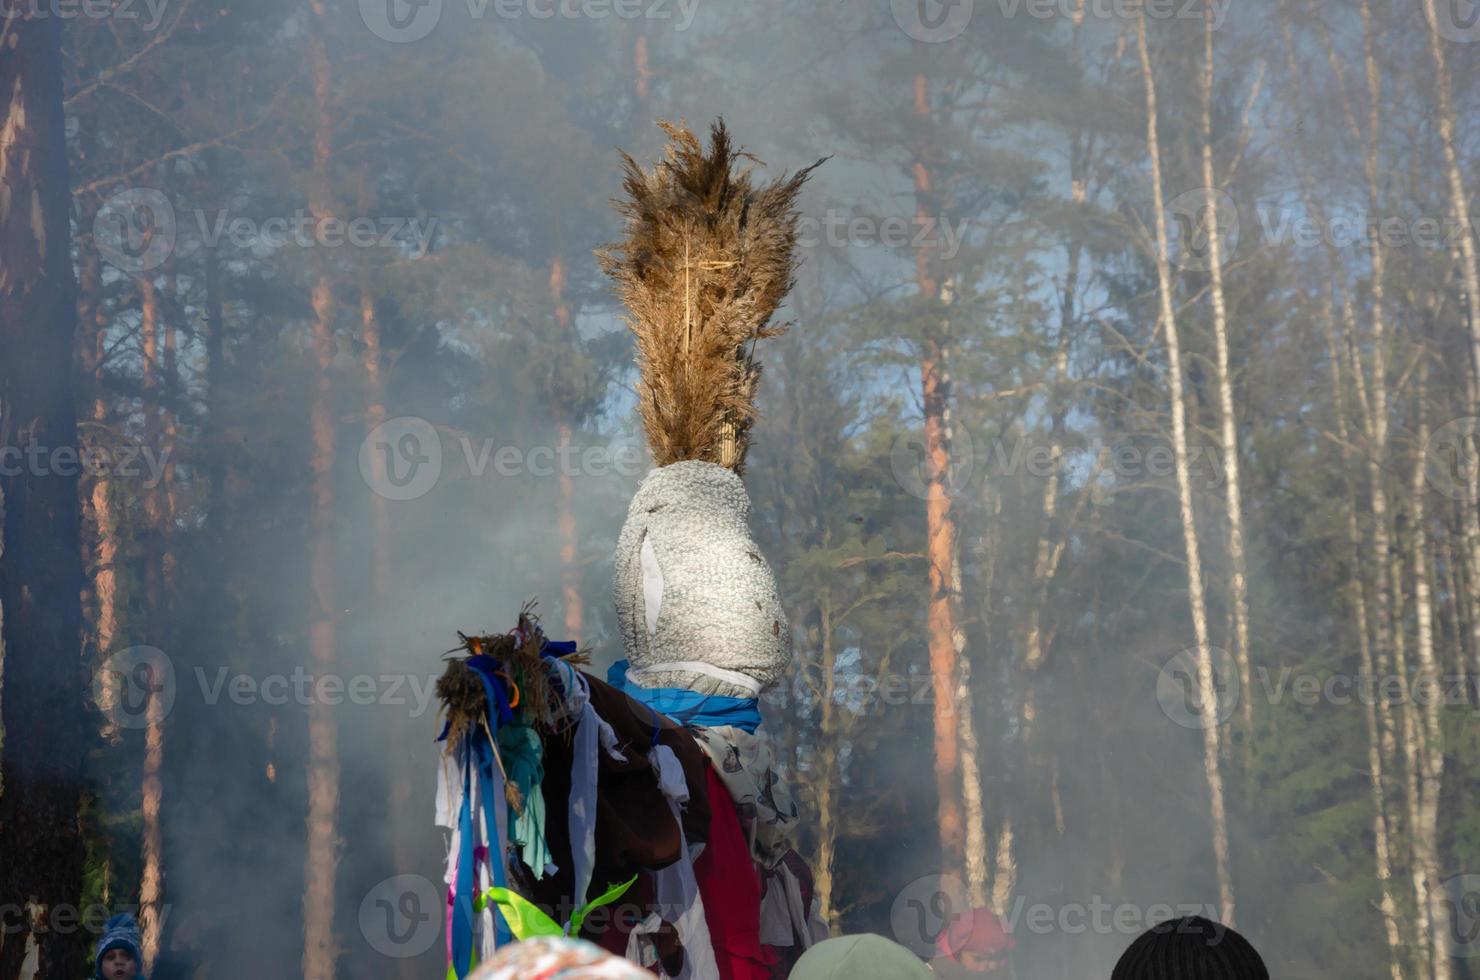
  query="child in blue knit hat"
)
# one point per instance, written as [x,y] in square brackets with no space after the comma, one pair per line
[119,956]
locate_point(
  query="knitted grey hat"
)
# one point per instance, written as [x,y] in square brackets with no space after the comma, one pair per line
[696,601]
[1190,948]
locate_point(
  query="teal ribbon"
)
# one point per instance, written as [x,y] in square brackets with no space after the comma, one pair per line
[519,747]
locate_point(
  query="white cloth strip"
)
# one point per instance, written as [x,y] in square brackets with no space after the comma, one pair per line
[699,667]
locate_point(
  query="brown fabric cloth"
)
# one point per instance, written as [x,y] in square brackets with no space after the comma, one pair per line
[635,828]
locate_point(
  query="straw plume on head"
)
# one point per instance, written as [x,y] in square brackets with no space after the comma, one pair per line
[706,258]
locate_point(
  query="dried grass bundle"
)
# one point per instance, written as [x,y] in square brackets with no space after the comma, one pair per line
[463,702]
[460,689]
[706,258]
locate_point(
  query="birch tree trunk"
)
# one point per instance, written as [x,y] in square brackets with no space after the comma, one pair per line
[1411,734]
[1390,637]
[1459,208]
[1233,499]
[1431,686]
[1207,697]
[1004,877]
[1357,596]
[971,794]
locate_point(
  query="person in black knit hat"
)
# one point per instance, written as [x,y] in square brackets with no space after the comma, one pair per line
[1190,948]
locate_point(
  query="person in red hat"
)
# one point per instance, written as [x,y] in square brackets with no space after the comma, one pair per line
[975,946]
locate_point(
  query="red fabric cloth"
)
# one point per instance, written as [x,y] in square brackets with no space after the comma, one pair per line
[731,889]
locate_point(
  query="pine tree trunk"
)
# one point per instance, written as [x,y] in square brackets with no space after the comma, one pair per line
[940,532]
[827,750]
[159,365]
[97,487]
[400,767]
[570,568]
[1233,500]
[215,369]
[42,716]
[320,950]
[1207,697]
[641,71]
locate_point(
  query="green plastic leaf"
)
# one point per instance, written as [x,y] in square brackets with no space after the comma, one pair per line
[525,918]
[605,898]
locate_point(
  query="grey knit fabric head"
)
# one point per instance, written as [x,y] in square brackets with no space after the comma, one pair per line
[715,596]
[1190,948]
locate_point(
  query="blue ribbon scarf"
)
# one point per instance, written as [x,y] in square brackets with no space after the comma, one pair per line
[689,707]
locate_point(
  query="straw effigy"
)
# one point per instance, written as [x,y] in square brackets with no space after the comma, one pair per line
[706,257]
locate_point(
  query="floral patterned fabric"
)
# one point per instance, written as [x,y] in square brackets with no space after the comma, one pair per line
[557,958]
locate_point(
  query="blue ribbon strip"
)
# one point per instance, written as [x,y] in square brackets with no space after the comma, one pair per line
[477,760]
[688,707]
